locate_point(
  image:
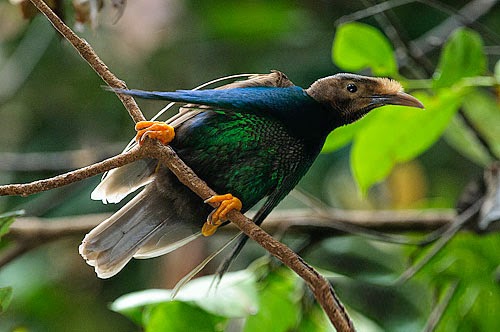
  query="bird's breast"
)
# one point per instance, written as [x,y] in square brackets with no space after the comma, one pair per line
[245,154]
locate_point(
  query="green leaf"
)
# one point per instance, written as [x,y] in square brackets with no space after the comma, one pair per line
[483,112]
[278,303]
[132,304]
[359,46]
[179,316]
[398,134]
[472,261]
[5,297]
[462,56]
[465,142]
[6,219]
[315,320]
[262,20]
[234,297]
[342,136]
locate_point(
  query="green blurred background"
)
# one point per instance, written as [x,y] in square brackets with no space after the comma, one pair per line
[50,101]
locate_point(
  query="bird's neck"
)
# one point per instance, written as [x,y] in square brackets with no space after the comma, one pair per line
[310,123]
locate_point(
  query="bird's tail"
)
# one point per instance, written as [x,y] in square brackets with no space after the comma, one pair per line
[143,228]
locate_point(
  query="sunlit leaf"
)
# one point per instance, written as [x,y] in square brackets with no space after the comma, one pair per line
[179,316]
[132,304]
[359,46]
[462,56]
[398,134]
[342,136]
[235,296]
[5,297]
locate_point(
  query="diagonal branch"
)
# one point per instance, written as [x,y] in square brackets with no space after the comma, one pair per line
[87,53]
[321,288]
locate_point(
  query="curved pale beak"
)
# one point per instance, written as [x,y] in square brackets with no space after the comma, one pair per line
[400,98]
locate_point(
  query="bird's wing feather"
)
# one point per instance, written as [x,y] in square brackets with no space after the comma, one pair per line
[242,99]
[147,226]
[120,182]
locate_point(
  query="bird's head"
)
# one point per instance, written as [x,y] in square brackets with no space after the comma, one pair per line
[353,96]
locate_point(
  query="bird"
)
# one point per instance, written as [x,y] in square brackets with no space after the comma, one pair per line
[250,140]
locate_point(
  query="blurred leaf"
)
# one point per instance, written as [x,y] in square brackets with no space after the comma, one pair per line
[235,296]
[357,258]
[394,308]
[359,46]
[368,271]
[278,303]
[462,56]
[179,316]
[250,22]
[484,112]
[473,261]
[398,134]
[342,136]
[5,297]
[6,219]
[315,320]
[464,141]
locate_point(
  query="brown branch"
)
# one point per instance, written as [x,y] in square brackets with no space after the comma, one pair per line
[27,189]
[296,220]
[88,54]
[321,288]
[328,222]
[56,161]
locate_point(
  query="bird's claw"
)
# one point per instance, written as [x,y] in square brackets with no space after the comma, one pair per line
[218,216]
[154,129]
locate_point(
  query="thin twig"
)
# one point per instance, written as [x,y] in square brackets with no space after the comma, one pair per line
[27,189]
[479,136]
[447,235]
[322,289]
[88,54]
[438,311]
[465,16]
[56,161]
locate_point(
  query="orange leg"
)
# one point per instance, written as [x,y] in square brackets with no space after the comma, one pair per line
[154,129]
[218,216]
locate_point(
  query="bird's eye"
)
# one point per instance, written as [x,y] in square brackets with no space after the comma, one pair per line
[352,88]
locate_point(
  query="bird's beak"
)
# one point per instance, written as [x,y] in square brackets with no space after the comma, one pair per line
[399,98]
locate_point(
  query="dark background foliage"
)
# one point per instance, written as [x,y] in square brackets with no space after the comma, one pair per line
[50,101]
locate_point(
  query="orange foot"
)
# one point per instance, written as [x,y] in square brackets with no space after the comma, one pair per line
[154,129]
[218,216]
